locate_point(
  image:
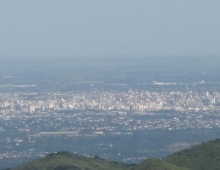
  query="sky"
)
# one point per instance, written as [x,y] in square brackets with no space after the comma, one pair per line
[73,28]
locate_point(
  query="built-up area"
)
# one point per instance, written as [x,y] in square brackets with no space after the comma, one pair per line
[131,100]
[105,123]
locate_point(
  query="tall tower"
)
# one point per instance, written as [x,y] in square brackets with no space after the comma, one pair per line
[207,94]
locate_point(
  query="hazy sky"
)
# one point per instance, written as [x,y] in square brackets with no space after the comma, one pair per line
[38,28]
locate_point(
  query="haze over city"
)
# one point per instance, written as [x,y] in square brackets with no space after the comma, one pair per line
[98,77]
[76,28]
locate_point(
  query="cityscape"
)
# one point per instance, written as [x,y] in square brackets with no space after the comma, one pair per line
[109,85]
[131,100]
[105,123]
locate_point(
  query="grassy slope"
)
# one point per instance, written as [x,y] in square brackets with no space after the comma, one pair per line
[157,164]
[69,161]
[205,156]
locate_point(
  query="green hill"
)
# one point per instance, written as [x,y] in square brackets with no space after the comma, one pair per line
[68,161]
[157,164]
[205,156]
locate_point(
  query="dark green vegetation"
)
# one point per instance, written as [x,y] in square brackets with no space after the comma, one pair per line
[201,157]
[205,156]
[157,164]
[69,161]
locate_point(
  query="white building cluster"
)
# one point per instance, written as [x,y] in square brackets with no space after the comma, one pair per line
[131,100]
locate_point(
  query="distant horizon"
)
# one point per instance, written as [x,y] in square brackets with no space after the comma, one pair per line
[107,57]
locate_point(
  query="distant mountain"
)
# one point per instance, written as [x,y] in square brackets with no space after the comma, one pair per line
[205,156]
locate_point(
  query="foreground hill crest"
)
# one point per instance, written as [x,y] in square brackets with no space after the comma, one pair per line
[205,156]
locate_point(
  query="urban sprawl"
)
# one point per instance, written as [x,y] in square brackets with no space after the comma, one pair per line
[132,100]
[30,121]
